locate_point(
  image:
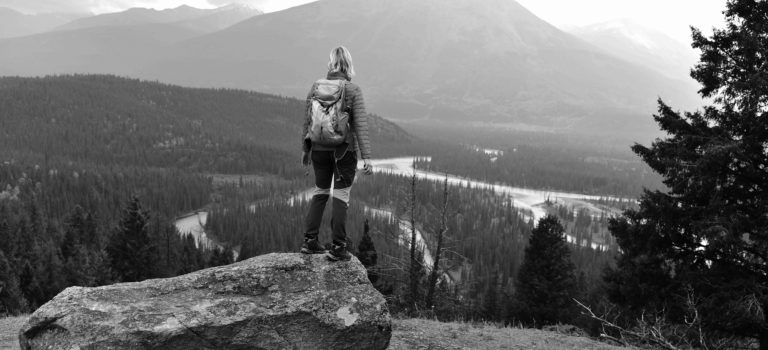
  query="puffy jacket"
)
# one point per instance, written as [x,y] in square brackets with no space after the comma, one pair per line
[358,119]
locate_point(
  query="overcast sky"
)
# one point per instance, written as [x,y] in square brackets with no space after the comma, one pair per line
[670,16]
[105,6]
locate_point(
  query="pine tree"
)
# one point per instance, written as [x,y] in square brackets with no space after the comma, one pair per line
[74,232]
[101,268]
[192,259]
[546,282]
[220,257]
[12,300]
[491,300]
[707,234]
[130,249]
[415,265]
[366,253]
[417,276]
[246,249]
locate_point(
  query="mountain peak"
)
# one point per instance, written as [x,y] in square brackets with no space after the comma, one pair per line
[491,61]
[238,7]
[185,9]
[456,58]
[638,43]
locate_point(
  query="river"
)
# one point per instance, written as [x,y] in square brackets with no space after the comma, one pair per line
[532,201]
[522,198]
[194,224]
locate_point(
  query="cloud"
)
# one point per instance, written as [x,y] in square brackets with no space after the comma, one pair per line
[672,17]
[102,6]
[96,6]
[43,6]
[264,5]
[105,6]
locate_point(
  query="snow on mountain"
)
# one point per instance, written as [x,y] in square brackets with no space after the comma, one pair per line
[639,44]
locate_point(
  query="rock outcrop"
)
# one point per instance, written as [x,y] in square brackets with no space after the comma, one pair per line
[274,301]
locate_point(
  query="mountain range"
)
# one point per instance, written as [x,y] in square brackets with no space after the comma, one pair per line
[638,44]
[14,23]
[430,60]
[197,20]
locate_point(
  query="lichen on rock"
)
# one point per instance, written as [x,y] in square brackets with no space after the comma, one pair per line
[273,301]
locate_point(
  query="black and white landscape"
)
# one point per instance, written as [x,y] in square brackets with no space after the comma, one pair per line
[542,174]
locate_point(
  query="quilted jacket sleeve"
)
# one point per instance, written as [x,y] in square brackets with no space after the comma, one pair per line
[305,143]
[360,120]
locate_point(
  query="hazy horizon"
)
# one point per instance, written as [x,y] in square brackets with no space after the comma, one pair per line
[671,18]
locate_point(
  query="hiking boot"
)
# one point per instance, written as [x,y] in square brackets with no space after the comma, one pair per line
[311,246]
[338,252]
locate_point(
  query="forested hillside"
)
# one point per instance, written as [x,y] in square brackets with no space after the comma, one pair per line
[111,120]
[57,225]
[96,164]
[482,249]
[547,168]
[94,169]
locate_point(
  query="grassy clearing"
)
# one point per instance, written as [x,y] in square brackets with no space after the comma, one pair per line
[9,332]
[420,334]
[415,334]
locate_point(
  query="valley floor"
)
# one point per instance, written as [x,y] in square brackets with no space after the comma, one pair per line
[414,334]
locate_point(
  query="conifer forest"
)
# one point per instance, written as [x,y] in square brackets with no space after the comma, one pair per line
[666,249]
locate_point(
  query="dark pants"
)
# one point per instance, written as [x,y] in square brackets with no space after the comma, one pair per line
[342,173]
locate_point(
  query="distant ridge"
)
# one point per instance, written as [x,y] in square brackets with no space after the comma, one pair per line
[638,44]
[447,60]
[489,61]
[195,19]
[110,120]
[16,24]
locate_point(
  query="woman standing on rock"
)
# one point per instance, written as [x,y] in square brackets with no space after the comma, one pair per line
[335,129]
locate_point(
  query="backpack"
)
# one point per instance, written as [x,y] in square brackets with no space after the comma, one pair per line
[329,121]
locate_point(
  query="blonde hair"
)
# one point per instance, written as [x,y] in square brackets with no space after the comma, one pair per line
[341,61]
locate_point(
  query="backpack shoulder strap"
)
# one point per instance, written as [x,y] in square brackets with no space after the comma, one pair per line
[343,95]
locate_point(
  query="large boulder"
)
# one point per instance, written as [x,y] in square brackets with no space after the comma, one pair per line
[274,301]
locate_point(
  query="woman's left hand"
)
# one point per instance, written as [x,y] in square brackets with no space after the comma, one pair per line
[367,167]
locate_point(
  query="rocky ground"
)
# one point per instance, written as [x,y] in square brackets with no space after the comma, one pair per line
[414,334]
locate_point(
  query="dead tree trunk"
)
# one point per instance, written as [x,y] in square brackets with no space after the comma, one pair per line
[414,269]
[438,250]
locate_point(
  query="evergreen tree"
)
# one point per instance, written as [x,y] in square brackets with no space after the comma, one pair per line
[220,257]
[491,300]
[415,265]
[12,300]
[246,249]
[707,235]
[101,268]
[191,258]
[52,270]
[366,252]
[546,282]
[413,296]
[130,249]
